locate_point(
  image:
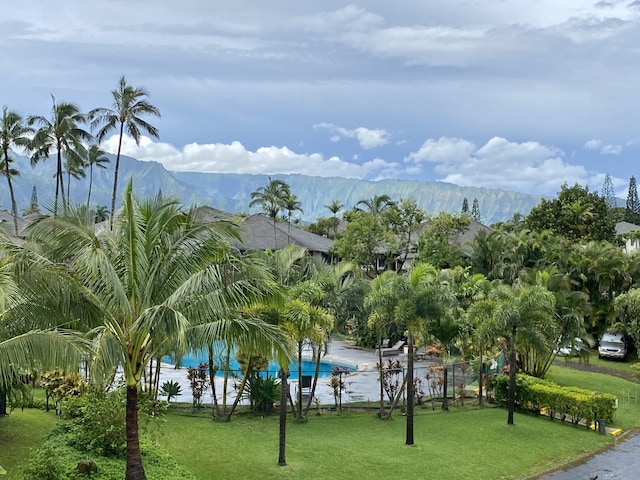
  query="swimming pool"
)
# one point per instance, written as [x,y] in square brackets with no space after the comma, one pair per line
[308,366]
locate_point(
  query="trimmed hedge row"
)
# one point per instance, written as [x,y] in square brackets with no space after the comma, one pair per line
[534,394]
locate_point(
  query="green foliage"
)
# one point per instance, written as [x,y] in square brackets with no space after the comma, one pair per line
[95,422]
[627,309]
[262,393]
[170,389]
[632,211]
[198,381]
[608,193]
[437,244]
[577,214]
[475,210]
[535,394]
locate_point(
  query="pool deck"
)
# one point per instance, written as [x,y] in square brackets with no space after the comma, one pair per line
[361,385]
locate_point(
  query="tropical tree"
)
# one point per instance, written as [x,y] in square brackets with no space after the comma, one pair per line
[291,204]
[375,205]
[98,158]
[632,210]
[608,192]
[334,207]
[150,279]
[526,311]
[63,135]
[13,133]
[272,199]
[129,105]
[74,168]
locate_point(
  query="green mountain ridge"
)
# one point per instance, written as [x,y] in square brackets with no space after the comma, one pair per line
[232,192]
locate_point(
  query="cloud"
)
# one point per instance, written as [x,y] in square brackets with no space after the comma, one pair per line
[611,150]
[593,144]
[367,138]
[499,163]
[236,158]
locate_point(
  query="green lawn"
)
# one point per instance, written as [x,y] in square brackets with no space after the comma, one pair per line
[21,431]
[463,443]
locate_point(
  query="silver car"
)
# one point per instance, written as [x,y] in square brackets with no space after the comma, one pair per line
[612,345]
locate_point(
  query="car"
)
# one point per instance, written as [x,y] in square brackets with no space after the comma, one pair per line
[568,347]
[612,345]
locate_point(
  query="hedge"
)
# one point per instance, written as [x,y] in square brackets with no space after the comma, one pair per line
[578,404]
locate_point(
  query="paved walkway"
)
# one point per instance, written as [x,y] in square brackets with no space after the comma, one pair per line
[361,385]
[620,462]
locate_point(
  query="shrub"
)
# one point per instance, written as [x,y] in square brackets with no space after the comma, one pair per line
[535,394]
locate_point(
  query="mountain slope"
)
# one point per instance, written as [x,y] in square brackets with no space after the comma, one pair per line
[232,192]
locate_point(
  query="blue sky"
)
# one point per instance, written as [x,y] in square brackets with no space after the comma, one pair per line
[509,94]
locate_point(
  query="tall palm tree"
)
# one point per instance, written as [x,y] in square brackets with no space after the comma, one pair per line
[61,134]
[130,104]
[74,168]
[526,311]
[271,198]
[291,204]
[150,279]
[98,158]
[13,133]
[334,207]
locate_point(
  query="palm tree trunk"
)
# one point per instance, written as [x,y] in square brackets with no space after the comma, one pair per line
[512,377]
[299,392]
[382,412]
[480,380]
[212,380]
[316,374]
[284,394]
[410,390]
[134,470]
[90,184]
[225,381]
[115,177]
[14,208]
[58,182]
[243,382]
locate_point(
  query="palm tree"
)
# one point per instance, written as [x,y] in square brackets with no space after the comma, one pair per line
[271,198]
[527,311]
[74,168]
[13,133]
[101,213]
[97,157]
[61,134]
[291,204]
[334,207]
[129,105]
[149,279]
[376,205]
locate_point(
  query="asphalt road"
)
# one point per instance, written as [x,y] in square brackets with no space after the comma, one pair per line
[621,462]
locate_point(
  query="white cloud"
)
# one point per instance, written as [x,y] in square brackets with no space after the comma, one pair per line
[593,144]
[611,150]
[368,138]
[235,158]
[527,166]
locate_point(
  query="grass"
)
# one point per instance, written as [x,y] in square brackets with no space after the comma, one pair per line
[462,443]
[21,431]
[624,366]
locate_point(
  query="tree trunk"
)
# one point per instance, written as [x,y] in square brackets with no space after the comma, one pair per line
[316,374]
[480,380]
[445,384]
[284,394]
[3,403]
[90,184]
[382,413]
[299,392]
[410,390]
[135,470]
[115,178]
[14,208]
[217,414]
[512,377]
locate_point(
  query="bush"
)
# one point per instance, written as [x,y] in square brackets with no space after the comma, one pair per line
[534,394]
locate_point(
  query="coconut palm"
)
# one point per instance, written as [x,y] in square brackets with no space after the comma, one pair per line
[62,135]
[334,207]
[291,204]
[130,104]
[98,158]
[151,278]
[271,198]
[376,205]
[13,133]
[74,168]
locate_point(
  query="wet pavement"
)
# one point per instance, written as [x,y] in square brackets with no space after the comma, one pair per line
[361,385]
[620,462]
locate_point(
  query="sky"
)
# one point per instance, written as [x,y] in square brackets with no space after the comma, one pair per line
[519,95]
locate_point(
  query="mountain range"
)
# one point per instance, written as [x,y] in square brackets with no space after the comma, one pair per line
[232,192]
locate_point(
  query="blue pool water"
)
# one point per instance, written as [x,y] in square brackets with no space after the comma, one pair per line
[308,366]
